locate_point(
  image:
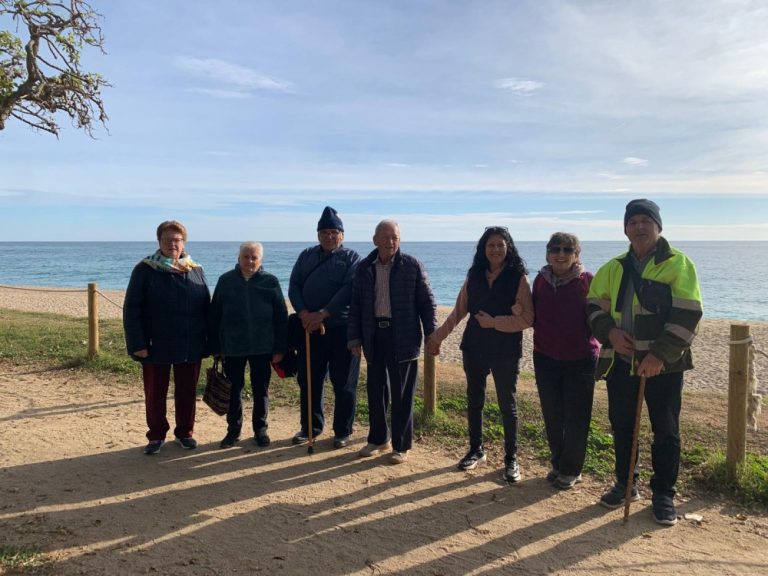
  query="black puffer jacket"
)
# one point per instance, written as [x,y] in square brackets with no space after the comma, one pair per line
[167,314]
[411,300]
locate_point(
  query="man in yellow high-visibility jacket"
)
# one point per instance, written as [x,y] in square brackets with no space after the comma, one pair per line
[644,307]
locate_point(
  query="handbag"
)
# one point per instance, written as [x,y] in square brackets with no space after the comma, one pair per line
[217,389]
[289,365]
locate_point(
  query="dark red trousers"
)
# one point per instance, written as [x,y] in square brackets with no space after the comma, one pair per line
[156,380]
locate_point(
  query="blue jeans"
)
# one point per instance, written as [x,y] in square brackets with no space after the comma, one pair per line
[663,396]
[329,355]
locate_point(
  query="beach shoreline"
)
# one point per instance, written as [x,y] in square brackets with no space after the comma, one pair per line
[710,348]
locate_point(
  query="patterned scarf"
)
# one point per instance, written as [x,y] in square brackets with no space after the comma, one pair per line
[164,264]
[575,271]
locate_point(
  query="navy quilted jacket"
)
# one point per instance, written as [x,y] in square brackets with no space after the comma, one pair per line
[411,300]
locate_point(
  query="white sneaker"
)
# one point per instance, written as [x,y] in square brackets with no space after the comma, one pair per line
[372,449]
[399,457]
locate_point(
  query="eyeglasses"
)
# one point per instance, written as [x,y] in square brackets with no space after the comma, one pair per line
[558,249]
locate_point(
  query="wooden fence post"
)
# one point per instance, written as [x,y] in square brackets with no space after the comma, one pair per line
[738,374]
[430,385]
[93,321]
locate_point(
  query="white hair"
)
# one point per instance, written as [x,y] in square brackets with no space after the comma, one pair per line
[252,244]
[386,222]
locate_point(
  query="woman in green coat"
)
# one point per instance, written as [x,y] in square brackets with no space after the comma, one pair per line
[249,324]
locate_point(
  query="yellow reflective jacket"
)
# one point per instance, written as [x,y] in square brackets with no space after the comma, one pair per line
[668,335]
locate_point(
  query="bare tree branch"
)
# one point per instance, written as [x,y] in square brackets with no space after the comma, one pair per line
[40,70]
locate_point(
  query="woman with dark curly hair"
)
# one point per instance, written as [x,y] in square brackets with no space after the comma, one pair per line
[497,297]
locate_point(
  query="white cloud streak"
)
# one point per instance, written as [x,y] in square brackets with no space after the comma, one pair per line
[519,86]
[231,79]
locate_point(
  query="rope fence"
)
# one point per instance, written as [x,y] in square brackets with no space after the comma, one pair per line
[744,402]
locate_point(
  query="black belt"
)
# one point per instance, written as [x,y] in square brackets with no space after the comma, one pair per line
[383,322]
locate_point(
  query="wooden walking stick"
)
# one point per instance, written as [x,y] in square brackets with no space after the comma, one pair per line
[633,453]
[310,427]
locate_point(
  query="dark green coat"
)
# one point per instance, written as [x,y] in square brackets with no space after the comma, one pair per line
[248,317]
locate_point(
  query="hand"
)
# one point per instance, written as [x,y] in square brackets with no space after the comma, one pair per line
[143,353]
[621,341]
[276,358]
[356,350]
[433,346]
[517,309]
[313,321]
[650,366]
[484,319]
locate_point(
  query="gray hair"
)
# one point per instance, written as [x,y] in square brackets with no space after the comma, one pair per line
[252,244]
[386,222]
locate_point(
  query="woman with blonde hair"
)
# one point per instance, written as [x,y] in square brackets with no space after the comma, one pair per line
[164,317]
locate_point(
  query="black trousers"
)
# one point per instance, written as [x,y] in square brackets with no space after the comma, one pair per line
[329,356]
[388,378]
[663,397]
[566,390]
[505,370]
[261,370]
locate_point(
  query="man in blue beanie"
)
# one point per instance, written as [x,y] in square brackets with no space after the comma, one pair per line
[320,290]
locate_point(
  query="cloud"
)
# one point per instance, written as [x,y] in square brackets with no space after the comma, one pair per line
[633,161]
[519,86]
[230,79]
[396,165]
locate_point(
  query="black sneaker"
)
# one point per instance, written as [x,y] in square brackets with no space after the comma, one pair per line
[340,441]
[262,440]
[153,447]
[229,440]
[511,469]
[664,510]
[474,457]
[614,498]
[299,438]
[187,443]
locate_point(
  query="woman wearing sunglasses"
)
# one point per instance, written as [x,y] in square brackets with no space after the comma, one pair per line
[497,297]
[564,357]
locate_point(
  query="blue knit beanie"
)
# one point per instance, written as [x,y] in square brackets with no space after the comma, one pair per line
[330,220]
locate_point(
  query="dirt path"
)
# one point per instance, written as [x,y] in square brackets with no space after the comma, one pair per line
[73,481]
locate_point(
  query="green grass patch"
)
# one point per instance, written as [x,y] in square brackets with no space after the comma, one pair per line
[749,486]
[22,559]
[62,341]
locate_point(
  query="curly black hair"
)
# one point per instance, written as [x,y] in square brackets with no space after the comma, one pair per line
[480,262]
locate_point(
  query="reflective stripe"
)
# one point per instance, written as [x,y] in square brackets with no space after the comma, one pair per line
[638,310]
[594,315]
[686,304]
[681,332]
[642,345]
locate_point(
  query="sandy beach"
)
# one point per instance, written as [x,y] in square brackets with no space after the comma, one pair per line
[710,349]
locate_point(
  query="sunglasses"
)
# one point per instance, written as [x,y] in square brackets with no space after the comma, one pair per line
[558,249]
[500,228]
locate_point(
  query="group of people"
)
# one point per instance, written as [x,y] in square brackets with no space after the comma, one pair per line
[633,320]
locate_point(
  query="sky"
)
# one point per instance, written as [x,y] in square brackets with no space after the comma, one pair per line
[243,119]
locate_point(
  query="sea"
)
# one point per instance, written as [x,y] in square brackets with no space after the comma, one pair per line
[732,275]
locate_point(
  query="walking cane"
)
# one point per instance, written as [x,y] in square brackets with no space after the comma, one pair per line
[310,428]
[633,453]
